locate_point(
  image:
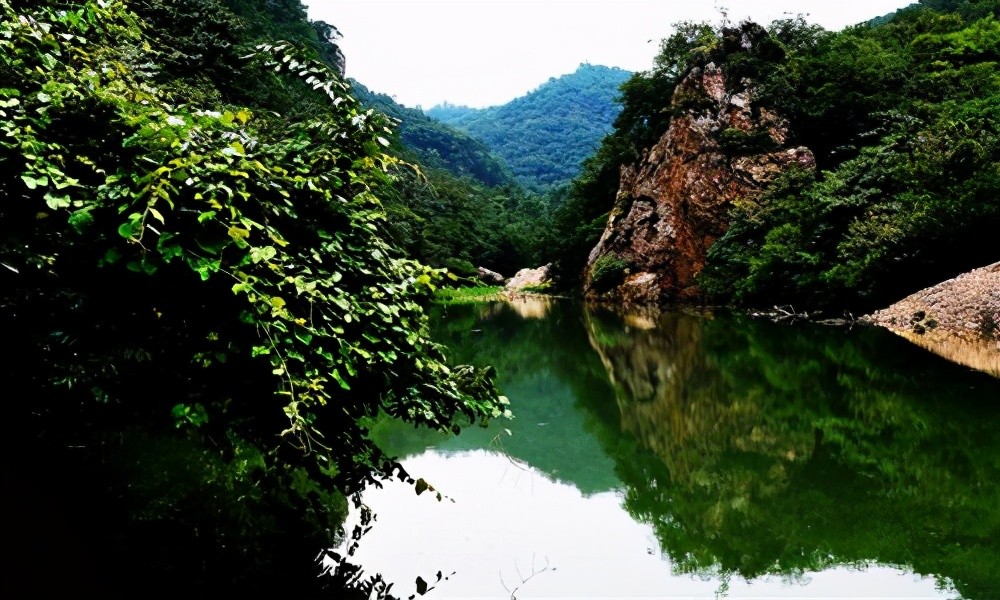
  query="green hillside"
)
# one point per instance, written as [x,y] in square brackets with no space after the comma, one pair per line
[459,208]
[545,135]
[434,144]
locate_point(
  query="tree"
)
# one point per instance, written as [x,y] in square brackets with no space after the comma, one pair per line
[205,300]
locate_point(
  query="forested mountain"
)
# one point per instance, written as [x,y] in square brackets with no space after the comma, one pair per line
[902,120]
[436,145]
[459,208]
[201,299]
[545,135]
[460,224]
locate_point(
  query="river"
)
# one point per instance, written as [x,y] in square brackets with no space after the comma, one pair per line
[679,455]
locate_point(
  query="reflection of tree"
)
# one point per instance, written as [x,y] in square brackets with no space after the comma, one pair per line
[770,449]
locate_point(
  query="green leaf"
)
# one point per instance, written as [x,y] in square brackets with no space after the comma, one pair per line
[193,415]
[262,254]
[156,214]
[57,201]
[132,227]
[205,266]
[339,379]
[33,182]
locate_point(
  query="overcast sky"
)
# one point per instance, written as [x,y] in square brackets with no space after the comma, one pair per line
[487,52]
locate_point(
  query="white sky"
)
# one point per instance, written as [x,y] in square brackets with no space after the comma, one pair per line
[487,52]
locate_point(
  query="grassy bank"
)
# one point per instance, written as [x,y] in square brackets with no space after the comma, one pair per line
[463,295]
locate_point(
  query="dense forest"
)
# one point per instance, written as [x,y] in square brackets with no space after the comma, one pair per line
[433,144]
[546,134]
[457,206]
[490,179]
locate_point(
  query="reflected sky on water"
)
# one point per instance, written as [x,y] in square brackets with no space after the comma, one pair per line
[690,456]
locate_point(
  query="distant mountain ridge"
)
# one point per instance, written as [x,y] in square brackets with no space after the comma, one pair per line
[545,135]
[436,144]
[461,208]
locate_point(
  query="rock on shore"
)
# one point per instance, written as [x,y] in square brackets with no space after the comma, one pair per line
[958,319]
[530,279]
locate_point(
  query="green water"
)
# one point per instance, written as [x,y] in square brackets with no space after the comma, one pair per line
[691,456]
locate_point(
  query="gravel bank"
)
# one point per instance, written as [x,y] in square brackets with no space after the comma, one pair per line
[958,319]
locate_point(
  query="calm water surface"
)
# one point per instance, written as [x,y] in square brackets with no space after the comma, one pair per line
[684,456]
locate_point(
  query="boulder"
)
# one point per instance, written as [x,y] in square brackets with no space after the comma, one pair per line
[530,278]
[490,277]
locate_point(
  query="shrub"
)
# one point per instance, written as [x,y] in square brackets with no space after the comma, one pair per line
[607,272]
[461,267]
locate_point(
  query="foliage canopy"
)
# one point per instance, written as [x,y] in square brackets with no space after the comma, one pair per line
[191,265]
[545,135]
[901,116]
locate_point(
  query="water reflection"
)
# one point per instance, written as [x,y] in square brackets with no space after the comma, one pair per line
[530,306]
[694,453]
[791,449]
[512,529]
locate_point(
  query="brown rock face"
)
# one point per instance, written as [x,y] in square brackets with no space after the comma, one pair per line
[674,204]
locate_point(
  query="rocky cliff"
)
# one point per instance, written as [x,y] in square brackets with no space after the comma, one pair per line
[674,203]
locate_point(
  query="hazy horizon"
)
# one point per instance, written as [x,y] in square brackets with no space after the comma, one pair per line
[482,53]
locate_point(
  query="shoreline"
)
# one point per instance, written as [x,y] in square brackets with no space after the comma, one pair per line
[958,319]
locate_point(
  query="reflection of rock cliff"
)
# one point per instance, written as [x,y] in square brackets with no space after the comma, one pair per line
[675,400]
[790,450]
[673,204]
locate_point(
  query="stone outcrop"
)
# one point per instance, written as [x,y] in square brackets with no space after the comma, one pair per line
[958,319]
[490,277]
[674,203]
[329,49]
[530,278]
